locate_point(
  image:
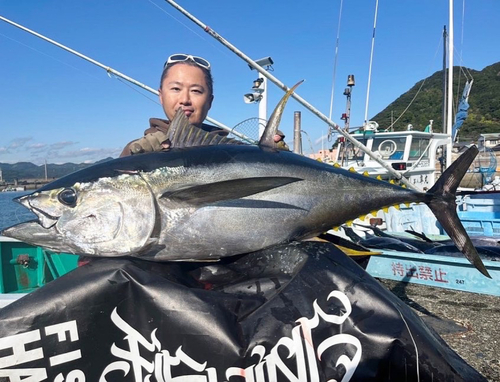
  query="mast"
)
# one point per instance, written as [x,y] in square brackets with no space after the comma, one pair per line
[334,76]
[449,124]
[370,67]
[445,37]
[335,61]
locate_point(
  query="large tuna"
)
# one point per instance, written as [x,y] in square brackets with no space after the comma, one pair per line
[208,202]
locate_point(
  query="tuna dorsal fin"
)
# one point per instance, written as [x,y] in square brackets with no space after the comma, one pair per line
[225,190]
[267,138]
[183,134]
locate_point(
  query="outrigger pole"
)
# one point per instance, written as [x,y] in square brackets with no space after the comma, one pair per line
[282,86]
[118,74]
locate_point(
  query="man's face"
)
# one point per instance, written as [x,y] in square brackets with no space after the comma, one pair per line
[185,87]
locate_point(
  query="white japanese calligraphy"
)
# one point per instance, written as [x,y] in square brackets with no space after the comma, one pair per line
[301,362]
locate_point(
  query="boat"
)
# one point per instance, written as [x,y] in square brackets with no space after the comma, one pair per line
[420,157]
[14,189]
[412,153]
[25,268]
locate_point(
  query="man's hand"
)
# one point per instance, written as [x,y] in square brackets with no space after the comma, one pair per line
[156,141]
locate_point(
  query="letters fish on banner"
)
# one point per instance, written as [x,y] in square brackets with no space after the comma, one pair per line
[299,312]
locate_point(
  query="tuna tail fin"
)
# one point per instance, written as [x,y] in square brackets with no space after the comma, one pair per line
[444,206]
[267,138]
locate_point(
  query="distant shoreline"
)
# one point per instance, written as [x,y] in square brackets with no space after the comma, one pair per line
[24,185]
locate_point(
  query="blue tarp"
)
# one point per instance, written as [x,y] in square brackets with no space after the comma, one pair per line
[462,111]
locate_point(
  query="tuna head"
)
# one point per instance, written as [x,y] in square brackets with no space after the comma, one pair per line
[109,216]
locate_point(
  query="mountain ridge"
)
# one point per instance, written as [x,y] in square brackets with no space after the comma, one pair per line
[28,170]
[484,103]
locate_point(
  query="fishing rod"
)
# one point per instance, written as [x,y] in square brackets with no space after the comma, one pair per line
[110,70]
[376,157]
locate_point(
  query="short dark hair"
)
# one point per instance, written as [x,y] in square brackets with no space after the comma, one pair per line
[208,75]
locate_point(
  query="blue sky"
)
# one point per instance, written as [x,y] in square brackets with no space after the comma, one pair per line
[57,107]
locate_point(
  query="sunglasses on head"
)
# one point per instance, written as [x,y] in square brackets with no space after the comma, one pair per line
[180,57]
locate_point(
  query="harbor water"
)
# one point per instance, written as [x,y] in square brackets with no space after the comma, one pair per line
[12,213]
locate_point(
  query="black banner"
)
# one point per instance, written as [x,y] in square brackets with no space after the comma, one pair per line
[299,312]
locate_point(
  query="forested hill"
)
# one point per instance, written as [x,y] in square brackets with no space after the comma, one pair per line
[484,101]
[27,170]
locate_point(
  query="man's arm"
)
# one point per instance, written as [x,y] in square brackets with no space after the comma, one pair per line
[156,141]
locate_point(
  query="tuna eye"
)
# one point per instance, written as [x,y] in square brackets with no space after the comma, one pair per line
[67,197]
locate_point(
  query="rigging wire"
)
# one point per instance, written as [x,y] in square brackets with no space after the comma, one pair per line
[329,129]
[190,29]
[49,56]
[335,61]
[110,74]
[458,95]
[134,88]
[371,60]
[462,70]
[419,89]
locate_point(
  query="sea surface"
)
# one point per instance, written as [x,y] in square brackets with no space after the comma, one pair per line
[12,213]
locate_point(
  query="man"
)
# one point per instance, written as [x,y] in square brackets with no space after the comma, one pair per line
[186,83]
[279,141]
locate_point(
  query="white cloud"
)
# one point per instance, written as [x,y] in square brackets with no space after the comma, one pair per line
[37,146]
[61,145]
[19,142]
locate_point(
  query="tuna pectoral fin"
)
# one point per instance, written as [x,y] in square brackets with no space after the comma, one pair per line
[225,190]
[443,205]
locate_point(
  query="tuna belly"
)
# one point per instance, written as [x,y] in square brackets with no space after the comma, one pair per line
[225,230]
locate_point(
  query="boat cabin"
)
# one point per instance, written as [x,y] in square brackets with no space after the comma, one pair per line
[415,154]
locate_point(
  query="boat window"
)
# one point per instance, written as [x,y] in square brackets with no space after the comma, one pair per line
[390,147]
[350,153]
[418,147]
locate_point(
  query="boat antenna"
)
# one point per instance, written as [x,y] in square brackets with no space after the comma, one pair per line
[335,61]
[332,96]
[110,70]
[303,102]
[371,61]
